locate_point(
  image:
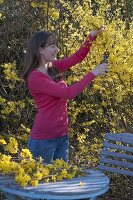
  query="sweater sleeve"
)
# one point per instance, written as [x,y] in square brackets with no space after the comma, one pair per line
[77,57]
[42,84]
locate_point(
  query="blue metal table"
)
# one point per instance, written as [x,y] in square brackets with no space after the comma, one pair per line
[94,184]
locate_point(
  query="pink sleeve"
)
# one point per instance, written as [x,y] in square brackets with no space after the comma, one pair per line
[77,57]
[43,84]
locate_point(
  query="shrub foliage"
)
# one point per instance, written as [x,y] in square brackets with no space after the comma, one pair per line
[106,105]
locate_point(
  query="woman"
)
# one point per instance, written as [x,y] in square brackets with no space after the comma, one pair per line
[49,134]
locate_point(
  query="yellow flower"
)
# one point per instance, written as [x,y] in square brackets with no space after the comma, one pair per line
[20,170]
[69,176]
[9,71]
[14,167]
[22,179]
[53,178]
[5,164]
[47,180]
[50,166]
[38,175]
[81,183]
[64,173]
[55,15]
[2,141]
[60,163]
[34,183]
[45,172]
[12,146]
[26,154]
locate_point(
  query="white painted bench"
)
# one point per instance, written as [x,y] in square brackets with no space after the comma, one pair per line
[116,157]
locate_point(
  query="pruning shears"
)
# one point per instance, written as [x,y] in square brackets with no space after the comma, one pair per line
[105,57]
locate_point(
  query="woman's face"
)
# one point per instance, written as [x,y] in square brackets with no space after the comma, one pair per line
[49,53]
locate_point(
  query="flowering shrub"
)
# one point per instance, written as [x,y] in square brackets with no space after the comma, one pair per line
[27,170]
[105,106]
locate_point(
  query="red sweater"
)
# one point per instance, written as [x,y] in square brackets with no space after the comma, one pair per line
[50,97]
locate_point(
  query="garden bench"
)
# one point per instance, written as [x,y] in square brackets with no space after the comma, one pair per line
[117,154]
[117,151]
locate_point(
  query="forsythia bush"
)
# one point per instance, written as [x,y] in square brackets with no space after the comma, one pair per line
[28,170]
[105,106]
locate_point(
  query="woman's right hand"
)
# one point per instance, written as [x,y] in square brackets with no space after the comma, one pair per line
[101,69]
[94,33]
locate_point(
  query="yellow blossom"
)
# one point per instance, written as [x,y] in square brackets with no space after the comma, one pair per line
[64,173]
[81,183]
[45,172]
[55,15]
[2,141]
[23,179]
[25,153]
[12,146]
[38,175]
[34,183]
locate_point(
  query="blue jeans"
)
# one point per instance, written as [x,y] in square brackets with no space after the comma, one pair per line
[50,149]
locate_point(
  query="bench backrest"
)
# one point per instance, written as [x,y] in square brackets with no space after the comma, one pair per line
[117,153]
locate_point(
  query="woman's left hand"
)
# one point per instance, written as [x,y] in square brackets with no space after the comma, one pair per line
[94,33]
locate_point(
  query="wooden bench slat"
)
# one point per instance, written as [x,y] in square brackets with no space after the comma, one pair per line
[72,190]
[117,155]
[121,137]
[116,162]
[71,187]
[86,184]
[116,170]
[107,144]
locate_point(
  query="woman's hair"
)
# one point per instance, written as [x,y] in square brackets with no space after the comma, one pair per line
[32,56]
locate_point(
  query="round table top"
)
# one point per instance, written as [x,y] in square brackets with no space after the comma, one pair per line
[93,184]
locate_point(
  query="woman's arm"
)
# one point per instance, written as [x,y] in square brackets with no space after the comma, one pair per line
[40,83]
[80,54]
[65,63]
